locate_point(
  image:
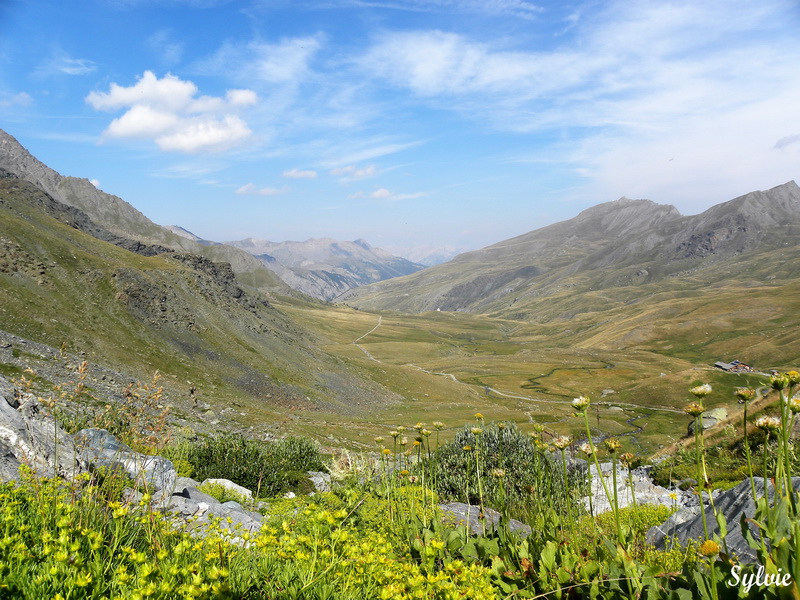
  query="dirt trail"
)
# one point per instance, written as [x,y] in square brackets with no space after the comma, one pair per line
[358,339]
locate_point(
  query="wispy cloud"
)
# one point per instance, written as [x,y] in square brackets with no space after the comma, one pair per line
[354,173]
[300,174]
[514,8]
[163,45]
[18,99]
[169,112]
[251,189]
[60,63]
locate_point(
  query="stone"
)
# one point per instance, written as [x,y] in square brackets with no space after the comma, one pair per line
[229,485]
[734,504]
[644,490]
[709,418]
[321,481]
[99,449]
[458,513]
[31,437]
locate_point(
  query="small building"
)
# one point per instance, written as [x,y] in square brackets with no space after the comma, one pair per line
[735,366]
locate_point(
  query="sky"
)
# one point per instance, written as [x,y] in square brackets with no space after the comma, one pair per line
[414,124]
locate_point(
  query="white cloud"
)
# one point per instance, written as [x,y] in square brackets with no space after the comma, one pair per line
[95,183]
[712,84]
[19,99]
[252,189]
[381,194]
[168,111]
[352,173]
[384,194]
[298,174]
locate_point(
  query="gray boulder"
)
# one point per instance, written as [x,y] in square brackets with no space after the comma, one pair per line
[29,436]
[687,523]
[98,448]
[458,513]
[644,490]
[321,481]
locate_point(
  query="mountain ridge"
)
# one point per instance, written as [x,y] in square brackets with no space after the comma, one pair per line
[614,244]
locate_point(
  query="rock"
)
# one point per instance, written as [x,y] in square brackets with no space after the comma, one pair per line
[458,513]
[196,495]
[709,418]
[644,490]
[735,503]
[101,449]
[321,481]
[31,437]
[229,485]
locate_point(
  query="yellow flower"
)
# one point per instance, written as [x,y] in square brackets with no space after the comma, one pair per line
[709,548]
[83,580]
[612,445]
[694,409]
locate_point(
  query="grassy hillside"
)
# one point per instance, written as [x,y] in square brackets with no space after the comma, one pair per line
[178,313]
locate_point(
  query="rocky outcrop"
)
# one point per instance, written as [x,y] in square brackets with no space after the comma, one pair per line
[735,505]
[479,520]
[632,485]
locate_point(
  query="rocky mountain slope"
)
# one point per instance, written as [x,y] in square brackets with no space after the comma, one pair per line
[68,281]
[120,218]
[325,268]
[626,244]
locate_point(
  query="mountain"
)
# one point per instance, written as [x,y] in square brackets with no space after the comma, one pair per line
[625,245]
[70,281]
[325,268]
[120,218]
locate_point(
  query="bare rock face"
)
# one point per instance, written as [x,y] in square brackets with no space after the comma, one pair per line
[28,436]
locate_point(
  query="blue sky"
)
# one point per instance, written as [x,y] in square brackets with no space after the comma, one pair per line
[410,123]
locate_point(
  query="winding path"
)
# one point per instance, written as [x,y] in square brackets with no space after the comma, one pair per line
[364,350]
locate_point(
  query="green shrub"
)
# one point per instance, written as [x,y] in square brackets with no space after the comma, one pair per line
[530,477]
[268,469]
[225,494]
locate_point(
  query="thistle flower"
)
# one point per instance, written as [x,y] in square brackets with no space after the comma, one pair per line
[701,390]
[413,479]
[612,445]
[586,448]
[694,409]
[378,440]
[425,432]
[476,431]
[499,473]
[438,425]
[403,441]
[419,426]
[794,404]
[562,442]
[794,377]
[581,403]
[744,393]
[394,433]
[626,459]
[538,427]
[401,429]
[501,426]
[779,381]
[709,548]
[768,424]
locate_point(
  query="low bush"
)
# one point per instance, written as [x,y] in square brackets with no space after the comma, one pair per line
[266,468]
[499,465]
